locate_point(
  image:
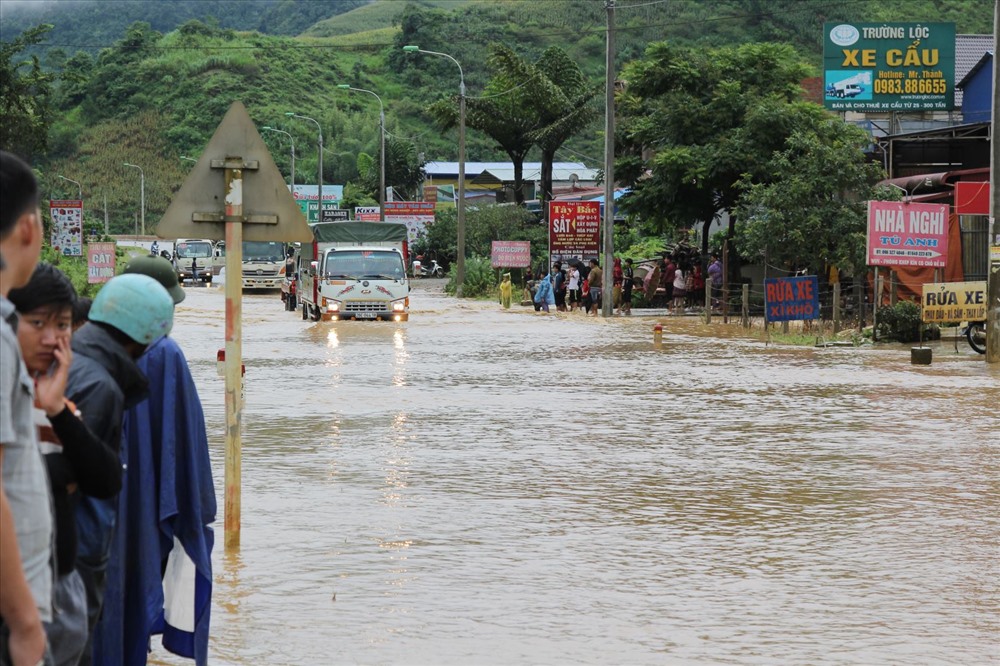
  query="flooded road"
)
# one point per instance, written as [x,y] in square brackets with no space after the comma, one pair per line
[485,487]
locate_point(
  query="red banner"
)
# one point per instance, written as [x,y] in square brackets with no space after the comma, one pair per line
[574,228]
[100,262]
[972,198]
[511,254]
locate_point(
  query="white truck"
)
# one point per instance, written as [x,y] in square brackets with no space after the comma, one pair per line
[263,263]
[354,270]
[193,260]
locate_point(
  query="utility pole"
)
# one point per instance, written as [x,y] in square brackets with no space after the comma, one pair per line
[607,300]
[993,267]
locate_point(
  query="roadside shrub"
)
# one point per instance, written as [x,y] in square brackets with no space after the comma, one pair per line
[901,323]
[480,278]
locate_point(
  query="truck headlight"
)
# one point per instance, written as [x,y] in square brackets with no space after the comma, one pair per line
[332,306]
[399,306]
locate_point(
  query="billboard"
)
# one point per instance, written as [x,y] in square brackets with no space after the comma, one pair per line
[907,234]
[67,226]
[791,298]
[953,302]
[335,215]
[416,215]
[574,229]
[100,262]
[510,254]
[367,214]
[889,66]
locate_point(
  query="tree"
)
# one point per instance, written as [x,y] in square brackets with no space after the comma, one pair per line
[562,99]
[811,212]
[25,114]
[696,123]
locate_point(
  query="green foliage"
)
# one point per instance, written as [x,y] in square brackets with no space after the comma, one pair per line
[480,278]
[810,211]
[483,225]
[899,322]
[75,269]
[24,92]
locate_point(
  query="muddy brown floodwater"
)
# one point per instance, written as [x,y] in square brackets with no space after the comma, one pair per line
[485,487]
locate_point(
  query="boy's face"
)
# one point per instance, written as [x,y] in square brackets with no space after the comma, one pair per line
[39,333]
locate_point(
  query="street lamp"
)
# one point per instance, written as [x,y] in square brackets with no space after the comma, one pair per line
[189,159]
[319,212]
[460,269]
[292,141]
[381,133]
[142,194]
[78,187]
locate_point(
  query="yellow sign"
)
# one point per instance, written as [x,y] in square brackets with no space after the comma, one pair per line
[952,302]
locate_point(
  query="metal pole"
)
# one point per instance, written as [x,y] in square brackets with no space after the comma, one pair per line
[79,188]
[460,269]
[381,182]
[234,348]
[993,275]
[607,304]
[107,228]
[836,308]
[319,179]
[142,196]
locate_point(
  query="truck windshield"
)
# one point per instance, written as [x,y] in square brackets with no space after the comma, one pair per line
[362,264]
[260,251]
[193,250]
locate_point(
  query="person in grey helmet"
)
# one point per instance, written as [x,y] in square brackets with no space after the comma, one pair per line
[128,314]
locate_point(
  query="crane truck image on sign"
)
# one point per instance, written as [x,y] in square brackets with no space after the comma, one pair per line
[889,66]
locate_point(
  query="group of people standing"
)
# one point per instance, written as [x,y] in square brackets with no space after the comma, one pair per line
[107,494]
[580,286]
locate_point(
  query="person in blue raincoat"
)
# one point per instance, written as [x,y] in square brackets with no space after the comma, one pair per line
[545,295]
[160,569]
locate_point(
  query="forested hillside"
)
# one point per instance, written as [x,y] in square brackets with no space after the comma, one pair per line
[153,94]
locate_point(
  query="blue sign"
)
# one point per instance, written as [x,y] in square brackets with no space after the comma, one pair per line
[791,298]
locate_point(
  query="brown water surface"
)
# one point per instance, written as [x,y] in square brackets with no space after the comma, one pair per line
[477,486]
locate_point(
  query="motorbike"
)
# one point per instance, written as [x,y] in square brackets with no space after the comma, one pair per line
[423,270]
[975,333]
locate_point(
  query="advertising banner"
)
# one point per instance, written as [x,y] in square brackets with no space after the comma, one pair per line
[367,214]
[511,254]
[574,229]
[953,302]
[439,193]
[335,215]
[889,66]
[416,215]
[791,298]
[67,226]
[972,198]
[100,262]
[907,234]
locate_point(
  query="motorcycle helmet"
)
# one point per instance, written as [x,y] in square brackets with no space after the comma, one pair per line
[160,270]
[137,305]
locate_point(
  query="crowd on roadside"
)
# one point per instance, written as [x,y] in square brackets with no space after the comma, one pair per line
[676,281]
[107,494]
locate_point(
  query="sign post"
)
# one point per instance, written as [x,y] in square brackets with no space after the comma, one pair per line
[257,207]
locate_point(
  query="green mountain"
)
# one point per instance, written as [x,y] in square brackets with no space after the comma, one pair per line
[150,96]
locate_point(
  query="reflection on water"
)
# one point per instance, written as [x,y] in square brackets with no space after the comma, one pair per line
[486,487]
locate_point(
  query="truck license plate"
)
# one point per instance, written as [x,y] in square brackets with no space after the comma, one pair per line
[365,315]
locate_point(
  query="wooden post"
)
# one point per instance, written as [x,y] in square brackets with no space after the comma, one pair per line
[836,308]
[877,300]
[745,312]
[708,301]
[725,281]
[234,347]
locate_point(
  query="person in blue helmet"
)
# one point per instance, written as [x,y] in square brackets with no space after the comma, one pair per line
[159,577]
[128,314]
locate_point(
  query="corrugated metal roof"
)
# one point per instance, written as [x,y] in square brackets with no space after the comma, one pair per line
[969,49]
[473,169]
[559,174]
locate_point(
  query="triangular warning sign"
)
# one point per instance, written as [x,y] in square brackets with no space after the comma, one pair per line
[269,210]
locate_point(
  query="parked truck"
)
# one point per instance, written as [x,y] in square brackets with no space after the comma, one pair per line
[354,270]
[193,260]
[263,263]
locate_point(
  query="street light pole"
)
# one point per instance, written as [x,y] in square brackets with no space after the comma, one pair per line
[607,302]
[319,179]
[381,134]
[142,194]
[291,140]
[460,268]
[78,187]
[189,159]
